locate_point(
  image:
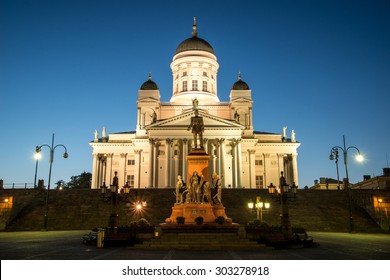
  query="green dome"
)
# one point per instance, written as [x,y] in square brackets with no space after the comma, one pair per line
[240,84]
[149,84]
[194,44]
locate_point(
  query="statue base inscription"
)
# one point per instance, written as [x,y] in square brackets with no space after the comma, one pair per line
[190,211]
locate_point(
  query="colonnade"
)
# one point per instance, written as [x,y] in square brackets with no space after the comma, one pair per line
[158,164]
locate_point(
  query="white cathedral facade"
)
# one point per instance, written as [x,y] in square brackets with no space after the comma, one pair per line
[155,153]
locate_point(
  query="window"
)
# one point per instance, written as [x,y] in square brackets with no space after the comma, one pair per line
[258,162]
[184,74]
[204,74]
[259,182]
[194,85]
[204,86]
[130,180]
[130,162]
[184,85]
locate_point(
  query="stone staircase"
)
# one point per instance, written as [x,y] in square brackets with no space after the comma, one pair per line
[201,241]
[73,209]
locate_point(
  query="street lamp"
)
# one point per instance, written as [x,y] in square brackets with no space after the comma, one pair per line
[65,155]
[334,155]
[37,157]
[359,157]
[259,205]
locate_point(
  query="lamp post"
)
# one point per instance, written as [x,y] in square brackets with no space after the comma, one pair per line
[52,149]
[37,157]
[359,157]
[334,154]
[260,205]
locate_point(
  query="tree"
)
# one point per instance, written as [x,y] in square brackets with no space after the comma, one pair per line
[82,181]
[61,184]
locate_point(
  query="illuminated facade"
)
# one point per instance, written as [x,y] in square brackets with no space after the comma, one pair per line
[155,153]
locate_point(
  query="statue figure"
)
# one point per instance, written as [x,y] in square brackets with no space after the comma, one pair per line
[206,193]
[104,135]
[284,131]
[218,186]
[115,184]
[179,185]
[154,117]
[96,135]
[115,180]
[293,136]
[236,117]
[282,182]
[193,186]
[199,190]
[195,104]
[197,129]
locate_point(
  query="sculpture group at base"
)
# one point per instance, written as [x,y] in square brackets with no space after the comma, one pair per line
[199,190]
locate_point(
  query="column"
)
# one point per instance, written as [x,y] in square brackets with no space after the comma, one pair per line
[139,118]
[218,161]
[295,169]
[124,176]
[252,169]
[137,179]
[205,146]
[234,163]
[155,164]
[222,156]
[214,158]
[184,159]
[95,172]
[168,164]
[175,164]
[108,175]
[239,163]
[150,169]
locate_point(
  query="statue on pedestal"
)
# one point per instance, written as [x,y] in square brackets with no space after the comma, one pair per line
[206,193]
[218,187]
[179,186]
[193,187]
[197,129]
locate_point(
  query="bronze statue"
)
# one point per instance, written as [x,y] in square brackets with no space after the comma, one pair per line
[197,129]
[194,185]
[218,186]
[179,185]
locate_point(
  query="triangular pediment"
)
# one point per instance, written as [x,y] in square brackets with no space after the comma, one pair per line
[148,99]
[182,121]
[242,99]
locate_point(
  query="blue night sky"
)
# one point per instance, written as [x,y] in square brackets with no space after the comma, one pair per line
[69,67]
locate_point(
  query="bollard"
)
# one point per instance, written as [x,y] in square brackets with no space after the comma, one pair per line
[100,238]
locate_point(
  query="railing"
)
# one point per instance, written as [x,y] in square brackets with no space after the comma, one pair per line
[18,186]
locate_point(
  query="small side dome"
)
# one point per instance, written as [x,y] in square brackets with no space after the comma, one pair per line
[240,84]
[149,84]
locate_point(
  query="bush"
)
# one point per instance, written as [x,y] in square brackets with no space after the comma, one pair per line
[220,220]
[143,224]
[199,220]
[256,225]
[180,220]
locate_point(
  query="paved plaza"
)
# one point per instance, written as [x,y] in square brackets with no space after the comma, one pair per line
[67,245]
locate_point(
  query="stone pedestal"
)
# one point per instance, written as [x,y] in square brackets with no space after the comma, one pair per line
[198,160]
[190,211]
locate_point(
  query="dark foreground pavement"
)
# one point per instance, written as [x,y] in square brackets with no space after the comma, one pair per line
[67,245]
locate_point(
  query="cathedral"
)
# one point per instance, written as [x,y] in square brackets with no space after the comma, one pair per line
[154,154]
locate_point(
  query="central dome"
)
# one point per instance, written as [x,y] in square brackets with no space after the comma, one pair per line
[194,43]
